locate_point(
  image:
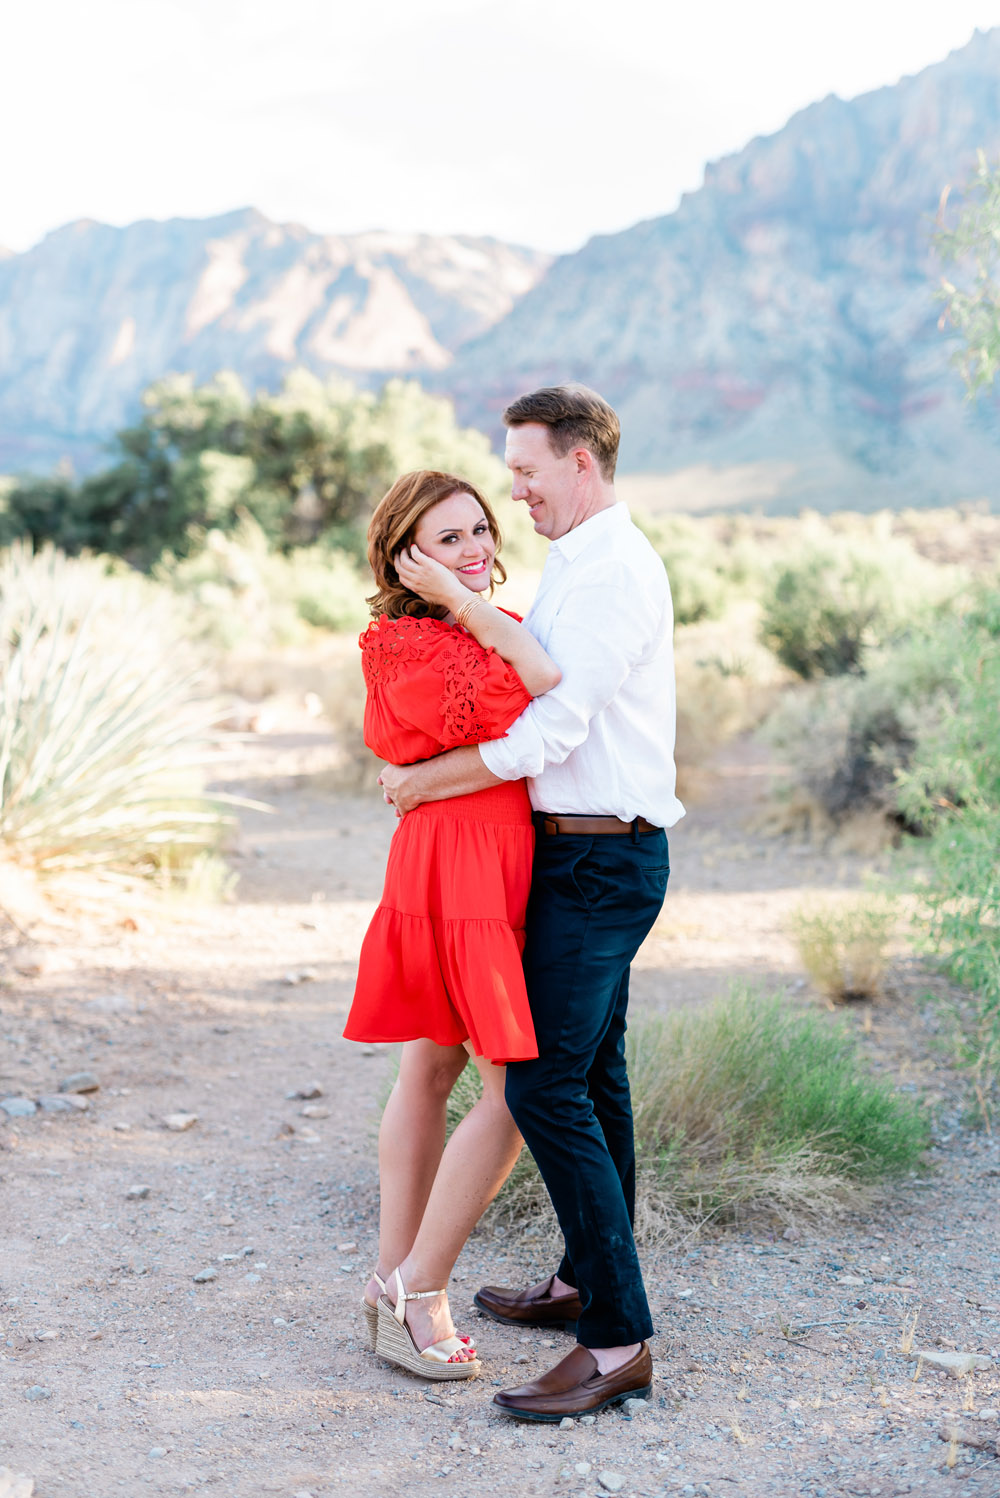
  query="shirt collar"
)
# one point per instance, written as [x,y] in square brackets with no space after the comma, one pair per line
[583,535]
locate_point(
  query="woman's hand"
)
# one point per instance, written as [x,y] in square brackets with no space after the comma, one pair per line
[429,579]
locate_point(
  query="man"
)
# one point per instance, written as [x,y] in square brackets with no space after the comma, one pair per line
[598,751]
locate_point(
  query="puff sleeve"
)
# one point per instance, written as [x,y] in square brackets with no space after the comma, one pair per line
[432,687]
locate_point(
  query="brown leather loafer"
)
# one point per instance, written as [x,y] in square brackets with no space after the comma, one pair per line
[534,1307]
[575,1387]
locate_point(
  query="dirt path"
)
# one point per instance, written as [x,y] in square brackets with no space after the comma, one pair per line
[778,1362]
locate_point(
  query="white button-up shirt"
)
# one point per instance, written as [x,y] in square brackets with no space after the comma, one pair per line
[602,741]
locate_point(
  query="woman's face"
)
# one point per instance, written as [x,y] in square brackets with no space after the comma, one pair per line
[455,533]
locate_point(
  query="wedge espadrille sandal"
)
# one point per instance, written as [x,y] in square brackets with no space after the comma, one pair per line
[394,1342]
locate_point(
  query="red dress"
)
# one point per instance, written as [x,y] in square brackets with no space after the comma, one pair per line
[442,957]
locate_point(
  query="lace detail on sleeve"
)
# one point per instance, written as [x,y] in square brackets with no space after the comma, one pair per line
[441,682]
[462,661]
[385,646]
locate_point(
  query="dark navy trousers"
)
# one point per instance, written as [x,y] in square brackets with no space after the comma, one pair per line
[593,900]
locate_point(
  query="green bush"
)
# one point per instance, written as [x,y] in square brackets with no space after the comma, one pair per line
[103,733]
[844,595]
[951,789]
[845,741]
[243,594]
[305,463]
[745,1109]
[701,579]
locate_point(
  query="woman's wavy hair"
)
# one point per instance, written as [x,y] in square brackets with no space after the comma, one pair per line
[392,527]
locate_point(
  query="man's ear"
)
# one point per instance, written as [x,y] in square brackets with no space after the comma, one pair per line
[584,460]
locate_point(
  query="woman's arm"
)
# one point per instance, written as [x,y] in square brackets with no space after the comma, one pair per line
[490,626]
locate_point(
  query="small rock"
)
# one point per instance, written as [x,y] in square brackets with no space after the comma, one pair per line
[307,1093]
[300,975]
[581,1469]
[121,1127]
[850,1279]
[155,1452]
[792,1234]
[15,1484]
[989,1415]
[77,1102]
[177,1123]
[955,1363]
[588,1419]
[632,1407]
[251,1279]
[315,1110]
[285,1131]
[18,1107]
[48,1336]
[137,1193]
[567,1423]
[229,1258]
[204,1275]
[52,1103]
[979,1441]
[37,1392]
[522,1357]
[80,1081]
[611,1482]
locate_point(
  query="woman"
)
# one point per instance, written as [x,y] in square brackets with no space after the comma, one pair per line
[440,967]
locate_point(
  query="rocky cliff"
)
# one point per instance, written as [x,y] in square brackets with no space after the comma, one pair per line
[783,318]
[93,314]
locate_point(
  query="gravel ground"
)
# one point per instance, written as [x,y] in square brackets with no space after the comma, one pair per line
[179,1306]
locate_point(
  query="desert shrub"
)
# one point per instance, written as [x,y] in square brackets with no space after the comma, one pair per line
[240,591]
[844,948]
[102,732]
[745,1109]
[951,789]
[701,580]
[727,682]
[306,462]
[846,740]
[828,607]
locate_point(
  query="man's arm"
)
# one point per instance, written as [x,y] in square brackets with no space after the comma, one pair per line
[459,772]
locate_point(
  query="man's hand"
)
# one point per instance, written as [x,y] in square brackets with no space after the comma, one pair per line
[398,788]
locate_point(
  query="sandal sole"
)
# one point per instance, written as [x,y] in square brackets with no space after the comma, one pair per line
[394,1343]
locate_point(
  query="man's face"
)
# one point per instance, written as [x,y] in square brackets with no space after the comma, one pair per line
[550,486]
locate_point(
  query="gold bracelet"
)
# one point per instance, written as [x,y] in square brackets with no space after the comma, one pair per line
[462,614]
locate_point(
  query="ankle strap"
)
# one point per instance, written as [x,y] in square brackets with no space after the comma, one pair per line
[399,1310]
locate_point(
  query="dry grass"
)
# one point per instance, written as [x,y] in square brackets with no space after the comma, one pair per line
[744,1111]
[844,948]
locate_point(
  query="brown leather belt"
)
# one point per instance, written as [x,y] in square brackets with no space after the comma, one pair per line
[583,826]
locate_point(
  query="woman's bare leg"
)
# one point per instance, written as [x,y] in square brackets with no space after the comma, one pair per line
[410,1142]
[478,1159]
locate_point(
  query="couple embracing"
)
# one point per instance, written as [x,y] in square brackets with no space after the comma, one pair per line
[531,765]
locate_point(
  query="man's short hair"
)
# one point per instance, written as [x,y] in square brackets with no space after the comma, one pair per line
[576,417]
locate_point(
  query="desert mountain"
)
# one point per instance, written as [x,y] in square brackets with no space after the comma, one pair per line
[783,318]
[93,314]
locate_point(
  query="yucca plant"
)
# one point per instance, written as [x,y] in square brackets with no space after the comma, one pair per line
[104,725]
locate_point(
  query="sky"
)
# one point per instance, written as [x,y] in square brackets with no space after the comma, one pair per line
[542,122]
